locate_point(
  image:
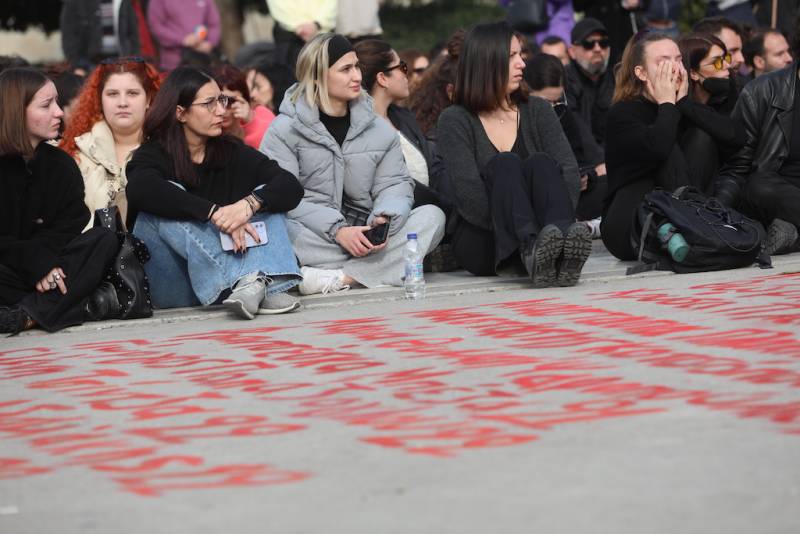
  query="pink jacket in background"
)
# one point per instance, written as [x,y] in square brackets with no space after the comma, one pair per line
[171,21]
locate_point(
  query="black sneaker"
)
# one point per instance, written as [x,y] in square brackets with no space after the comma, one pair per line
[103,303]
[781,237]
[13,320]
[541,257]
[577,247]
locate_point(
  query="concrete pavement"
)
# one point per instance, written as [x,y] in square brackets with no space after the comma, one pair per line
[659,403]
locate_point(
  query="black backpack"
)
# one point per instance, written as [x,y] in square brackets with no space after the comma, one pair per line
[718,237]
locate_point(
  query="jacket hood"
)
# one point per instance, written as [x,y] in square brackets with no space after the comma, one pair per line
[98,146]
[307,117]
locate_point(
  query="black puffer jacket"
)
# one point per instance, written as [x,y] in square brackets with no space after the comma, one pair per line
[765,108]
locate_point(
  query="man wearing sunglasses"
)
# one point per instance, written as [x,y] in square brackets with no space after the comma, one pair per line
[590,83]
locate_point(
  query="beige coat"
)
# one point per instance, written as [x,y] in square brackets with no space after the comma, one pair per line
[103,177]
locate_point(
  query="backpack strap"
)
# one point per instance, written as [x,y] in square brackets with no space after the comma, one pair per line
[642,266]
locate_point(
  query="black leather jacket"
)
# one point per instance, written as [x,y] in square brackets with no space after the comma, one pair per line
[765,109]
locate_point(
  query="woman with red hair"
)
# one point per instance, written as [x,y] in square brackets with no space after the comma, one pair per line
[106,128]
[243,120]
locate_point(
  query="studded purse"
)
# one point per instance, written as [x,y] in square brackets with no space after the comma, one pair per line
[126,273]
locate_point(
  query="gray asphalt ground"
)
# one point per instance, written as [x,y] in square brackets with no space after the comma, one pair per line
[654,404]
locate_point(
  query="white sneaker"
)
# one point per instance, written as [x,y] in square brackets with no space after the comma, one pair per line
[594,226]
[321,281]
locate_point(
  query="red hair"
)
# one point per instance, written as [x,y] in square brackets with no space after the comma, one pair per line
[89,109]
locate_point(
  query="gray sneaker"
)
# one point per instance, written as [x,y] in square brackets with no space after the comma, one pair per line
[781,235]
[276,303]
[248,292]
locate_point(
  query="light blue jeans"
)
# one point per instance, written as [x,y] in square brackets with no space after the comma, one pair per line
[188,267]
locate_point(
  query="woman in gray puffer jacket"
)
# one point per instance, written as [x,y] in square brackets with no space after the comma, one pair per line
[351,166]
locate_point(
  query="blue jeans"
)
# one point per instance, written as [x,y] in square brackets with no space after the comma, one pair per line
[188,267]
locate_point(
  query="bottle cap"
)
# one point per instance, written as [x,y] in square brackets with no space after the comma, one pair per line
[411,236]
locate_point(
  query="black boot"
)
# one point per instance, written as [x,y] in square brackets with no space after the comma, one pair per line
[103,303]
[14,320]
[541,257]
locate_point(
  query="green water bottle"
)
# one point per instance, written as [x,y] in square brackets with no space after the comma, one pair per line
[675,243]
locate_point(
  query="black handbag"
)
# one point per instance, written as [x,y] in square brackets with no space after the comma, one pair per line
[528,16]
[126,273]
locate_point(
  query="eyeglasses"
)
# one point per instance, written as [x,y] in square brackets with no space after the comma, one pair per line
[403,66]
[588,44]
[122,60]
[212,103]
[719,62]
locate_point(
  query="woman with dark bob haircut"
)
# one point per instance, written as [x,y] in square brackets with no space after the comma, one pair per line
[195,189]
[48,269]
[515,177]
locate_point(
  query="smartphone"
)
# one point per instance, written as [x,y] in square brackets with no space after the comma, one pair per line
[261,230]
[377,234]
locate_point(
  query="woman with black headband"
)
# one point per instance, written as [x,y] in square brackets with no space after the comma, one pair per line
[351,165]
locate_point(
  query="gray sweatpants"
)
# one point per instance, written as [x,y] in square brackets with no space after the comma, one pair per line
[382,268]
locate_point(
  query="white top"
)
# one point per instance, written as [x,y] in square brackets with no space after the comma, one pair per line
[415,161]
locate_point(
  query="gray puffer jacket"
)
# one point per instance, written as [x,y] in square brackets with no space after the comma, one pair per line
[369,166]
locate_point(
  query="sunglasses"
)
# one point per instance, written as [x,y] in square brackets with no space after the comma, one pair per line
[588,44]
[719,62]
[403,66]
[210,104]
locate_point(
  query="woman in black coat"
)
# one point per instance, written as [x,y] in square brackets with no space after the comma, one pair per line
[47,267]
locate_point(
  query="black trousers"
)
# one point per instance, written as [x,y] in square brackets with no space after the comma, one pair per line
[287,46]
[590,203]
[693,164]
[769,195]
[524,197]
[84,262]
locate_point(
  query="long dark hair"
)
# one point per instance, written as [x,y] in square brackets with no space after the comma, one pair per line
[375,56]
[161,124]
[694,49]
[18,86]
[280,77]
[482,75]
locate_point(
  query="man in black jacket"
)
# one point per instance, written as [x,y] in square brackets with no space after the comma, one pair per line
[590,83]
[92,30]
[764,176]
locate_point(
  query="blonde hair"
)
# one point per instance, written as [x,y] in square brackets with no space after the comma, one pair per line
[312,73]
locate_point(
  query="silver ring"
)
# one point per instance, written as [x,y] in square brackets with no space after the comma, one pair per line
[52,285]
[57,277]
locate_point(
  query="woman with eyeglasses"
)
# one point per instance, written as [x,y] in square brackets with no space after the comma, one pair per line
[545,76]
[350,163]
[209,208]
[248,122]
[385,77]
[417,63]
[48,268]
[514,175]
[107,126]
[658,136]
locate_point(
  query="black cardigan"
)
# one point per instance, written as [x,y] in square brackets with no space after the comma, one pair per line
[150,170]
[41,210]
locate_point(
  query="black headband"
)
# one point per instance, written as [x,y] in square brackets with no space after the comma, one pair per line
[337,47]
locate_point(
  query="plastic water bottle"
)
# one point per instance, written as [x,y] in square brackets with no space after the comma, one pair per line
[414,281]
[675,243]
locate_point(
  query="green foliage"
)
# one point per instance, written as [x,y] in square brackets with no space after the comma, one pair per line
[422,26]
[691,12]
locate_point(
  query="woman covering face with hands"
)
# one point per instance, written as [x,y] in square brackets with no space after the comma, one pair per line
[652,135]
[194,187]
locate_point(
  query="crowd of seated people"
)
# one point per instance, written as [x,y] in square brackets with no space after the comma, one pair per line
[249,184]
